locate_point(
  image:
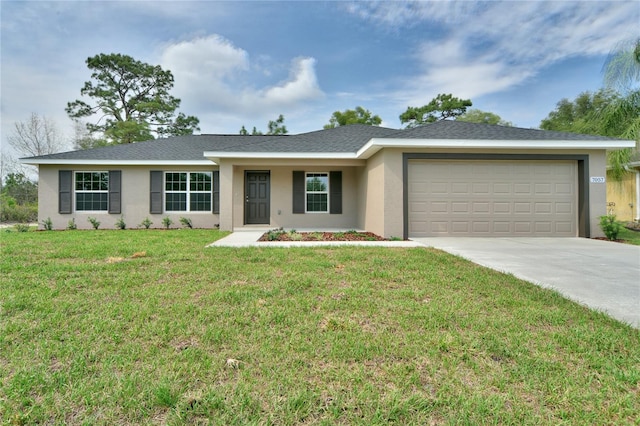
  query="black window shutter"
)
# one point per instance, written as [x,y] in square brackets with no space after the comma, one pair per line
[155,197]
[298,192]
[115,186]
[216,192]
[65,191]
[335,192]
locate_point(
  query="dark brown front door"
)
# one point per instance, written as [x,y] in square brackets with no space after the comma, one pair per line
[256,193]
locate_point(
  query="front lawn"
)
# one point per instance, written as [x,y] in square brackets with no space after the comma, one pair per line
[630,236]
[150,327]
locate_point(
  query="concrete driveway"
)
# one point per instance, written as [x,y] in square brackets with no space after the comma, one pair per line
[600,274]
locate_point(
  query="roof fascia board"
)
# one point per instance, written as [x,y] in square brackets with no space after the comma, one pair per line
[117,162]
[287,162]
[376,144]
[282,155]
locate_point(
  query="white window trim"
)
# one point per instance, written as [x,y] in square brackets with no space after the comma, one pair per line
[83,191]
[188,191]
[306,174]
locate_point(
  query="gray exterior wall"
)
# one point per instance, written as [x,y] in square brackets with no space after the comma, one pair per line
[135,199]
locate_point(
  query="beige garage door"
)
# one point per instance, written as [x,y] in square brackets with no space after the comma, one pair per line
[492,198]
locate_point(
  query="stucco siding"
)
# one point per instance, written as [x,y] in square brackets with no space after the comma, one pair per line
[597,191]
[135,200]
[371,195]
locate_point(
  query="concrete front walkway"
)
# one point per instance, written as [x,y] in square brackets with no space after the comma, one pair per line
[249,238]
[600,274]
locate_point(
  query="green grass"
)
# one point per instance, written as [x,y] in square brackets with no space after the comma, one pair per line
[629,236]
[150,327]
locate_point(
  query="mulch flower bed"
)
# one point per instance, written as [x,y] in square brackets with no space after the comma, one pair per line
[282,235]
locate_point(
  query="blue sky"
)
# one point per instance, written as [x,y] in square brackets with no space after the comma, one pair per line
[244,63]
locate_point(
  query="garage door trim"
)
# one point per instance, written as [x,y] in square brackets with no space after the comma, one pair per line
[583,179]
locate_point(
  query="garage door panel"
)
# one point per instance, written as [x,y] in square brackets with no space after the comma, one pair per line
[459,227]
[564,208]
[460,188]
[501,227]
[483,198]
[501,207]
[439,207]
[543,208]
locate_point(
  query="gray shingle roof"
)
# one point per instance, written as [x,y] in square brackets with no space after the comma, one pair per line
[180,148]
[343,139]
[340,139]
[448,129]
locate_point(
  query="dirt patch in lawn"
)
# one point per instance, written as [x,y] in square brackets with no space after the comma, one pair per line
[282,235]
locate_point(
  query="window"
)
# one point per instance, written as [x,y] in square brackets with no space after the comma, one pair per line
[188,191]
[317,192]
[92,191]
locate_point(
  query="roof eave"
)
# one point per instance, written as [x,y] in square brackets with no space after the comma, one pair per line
[217,155]
[376,144]
[88,162]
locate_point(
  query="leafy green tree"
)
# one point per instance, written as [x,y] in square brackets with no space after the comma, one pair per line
[276,127]
[475,115]
[353,116]
[622,67]
[585,114]
[441,107]
[622,117]
[20,188]
[133,100]
[604,113]
[622,72]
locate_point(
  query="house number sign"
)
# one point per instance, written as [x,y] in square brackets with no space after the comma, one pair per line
[597,179]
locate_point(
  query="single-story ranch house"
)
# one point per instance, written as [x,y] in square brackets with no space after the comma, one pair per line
[448,178]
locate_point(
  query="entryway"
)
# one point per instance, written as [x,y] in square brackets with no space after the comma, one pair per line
[257,198]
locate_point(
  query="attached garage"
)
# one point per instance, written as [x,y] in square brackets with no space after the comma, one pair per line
[493,197]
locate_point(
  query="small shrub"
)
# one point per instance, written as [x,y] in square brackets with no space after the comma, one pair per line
[316,236]
[275,234]
[167,222]
[10,211]
[21,227]
[48,224]
[146,223]
[295,236]
[71,225]
[610,227]
[94,222]
[186,222]
[120,223]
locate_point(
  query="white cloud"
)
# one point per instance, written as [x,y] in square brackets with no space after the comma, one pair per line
[212,57]
[488,47]
[302,85]
[214,76]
